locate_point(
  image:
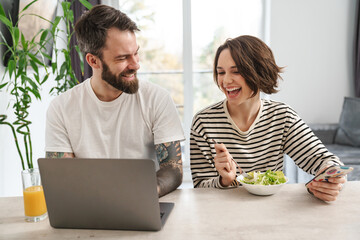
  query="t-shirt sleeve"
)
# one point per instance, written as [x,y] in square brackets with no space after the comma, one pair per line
[56,136]
[166,125]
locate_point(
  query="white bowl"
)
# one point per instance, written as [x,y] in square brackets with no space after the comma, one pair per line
[262,190]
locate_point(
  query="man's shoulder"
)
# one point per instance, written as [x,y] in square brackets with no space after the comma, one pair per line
[70,94]
[146,87]
[152,93]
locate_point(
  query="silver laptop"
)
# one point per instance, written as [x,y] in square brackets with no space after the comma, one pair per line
[102,193]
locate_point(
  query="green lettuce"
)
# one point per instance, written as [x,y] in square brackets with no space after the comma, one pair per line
[267,178]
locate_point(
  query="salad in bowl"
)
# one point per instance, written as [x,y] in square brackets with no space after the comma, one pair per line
[263,183]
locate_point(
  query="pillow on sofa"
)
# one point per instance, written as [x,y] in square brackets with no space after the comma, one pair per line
[348,132]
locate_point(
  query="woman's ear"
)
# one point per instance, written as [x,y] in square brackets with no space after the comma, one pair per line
[93,60]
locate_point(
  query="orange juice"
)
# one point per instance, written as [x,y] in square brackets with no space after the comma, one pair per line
[34,201]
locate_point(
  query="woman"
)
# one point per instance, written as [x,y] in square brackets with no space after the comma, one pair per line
[255,132]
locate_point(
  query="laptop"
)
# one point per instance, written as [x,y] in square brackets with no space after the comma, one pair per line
[102,194]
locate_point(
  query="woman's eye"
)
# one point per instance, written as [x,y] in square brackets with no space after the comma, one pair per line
[221,73]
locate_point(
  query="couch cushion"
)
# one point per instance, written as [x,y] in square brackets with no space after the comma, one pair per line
[348,132]
[347,154]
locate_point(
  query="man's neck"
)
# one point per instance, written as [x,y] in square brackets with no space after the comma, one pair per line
[104,91]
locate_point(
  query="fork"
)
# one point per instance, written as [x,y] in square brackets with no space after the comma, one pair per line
[242,172]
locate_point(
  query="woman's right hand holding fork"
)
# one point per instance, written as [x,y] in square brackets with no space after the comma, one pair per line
[225,165]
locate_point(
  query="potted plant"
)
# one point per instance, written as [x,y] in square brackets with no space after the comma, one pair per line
[22,78]
[23,62]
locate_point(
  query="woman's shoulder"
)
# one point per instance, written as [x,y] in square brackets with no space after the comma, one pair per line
[276,108]
[216,108]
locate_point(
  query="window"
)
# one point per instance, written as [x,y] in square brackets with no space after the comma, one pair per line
[178,40]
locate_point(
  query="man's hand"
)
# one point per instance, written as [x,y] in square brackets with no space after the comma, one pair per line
[224,165]
[170,174]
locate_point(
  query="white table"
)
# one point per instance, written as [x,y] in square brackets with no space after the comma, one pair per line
[217,214]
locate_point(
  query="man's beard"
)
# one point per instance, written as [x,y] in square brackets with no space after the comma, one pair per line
[117,81]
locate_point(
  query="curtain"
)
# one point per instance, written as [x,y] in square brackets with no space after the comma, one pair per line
[357,54]
[78,10]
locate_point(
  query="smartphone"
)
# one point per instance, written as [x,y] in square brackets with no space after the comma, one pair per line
[332,171]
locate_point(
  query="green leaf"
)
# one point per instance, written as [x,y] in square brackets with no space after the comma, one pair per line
[44,80]
[71,16]
[34,66]
[16,35]
[55,23]
[86,4]
[5,21]
[43,36]
[65,6]
[22,89]
[27,6]
[3,85]
[37,78]
[36,60]
[46,55]
[2,12]
[24,43]
[22,64]
[53,66]
[31,82]
[11,67]
[63,68]
[35,92]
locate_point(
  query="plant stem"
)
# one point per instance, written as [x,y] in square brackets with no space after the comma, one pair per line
[2,121]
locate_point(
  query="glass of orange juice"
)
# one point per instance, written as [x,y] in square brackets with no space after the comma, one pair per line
[34,199]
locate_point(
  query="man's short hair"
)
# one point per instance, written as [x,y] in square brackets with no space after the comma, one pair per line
[91,29]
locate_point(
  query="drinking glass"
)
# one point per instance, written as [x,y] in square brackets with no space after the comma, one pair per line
[34,199]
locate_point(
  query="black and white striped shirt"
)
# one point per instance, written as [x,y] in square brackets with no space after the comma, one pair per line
[277,130]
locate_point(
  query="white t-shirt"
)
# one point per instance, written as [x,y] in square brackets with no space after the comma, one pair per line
[127,127]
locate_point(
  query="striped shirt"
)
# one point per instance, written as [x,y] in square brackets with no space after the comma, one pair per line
[276,131]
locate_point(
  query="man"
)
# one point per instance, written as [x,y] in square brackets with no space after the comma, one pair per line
[112,114]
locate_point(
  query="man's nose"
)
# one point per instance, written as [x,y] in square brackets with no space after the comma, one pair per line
[134,63]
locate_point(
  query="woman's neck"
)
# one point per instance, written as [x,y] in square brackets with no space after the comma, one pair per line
[245,113]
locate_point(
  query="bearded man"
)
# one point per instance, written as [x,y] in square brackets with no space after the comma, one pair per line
[113,114]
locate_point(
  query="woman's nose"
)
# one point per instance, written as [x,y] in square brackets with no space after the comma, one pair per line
[227,78]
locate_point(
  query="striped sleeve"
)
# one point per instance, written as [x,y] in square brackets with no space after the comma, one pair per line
[304,147]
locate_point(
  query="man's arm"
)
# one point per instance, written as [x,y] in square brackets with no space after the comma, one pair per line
[59,155]
[169,177]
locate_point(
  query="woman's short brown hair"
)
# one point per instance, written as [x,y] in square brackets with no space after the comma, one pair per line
[254,61]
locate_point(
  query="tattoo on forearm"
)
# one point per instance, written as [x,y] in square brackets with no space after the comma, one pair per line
[59,155]
[170,173]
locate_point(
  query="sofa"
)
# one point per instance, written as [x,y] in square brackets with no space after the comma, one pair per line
[343,138]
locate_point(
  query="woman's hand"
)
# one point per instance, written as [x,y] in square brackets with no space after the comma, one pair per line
[327,191]
[224,165]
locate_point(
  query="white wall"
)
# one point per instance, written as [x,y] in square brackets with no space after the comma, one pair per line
[314,39]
